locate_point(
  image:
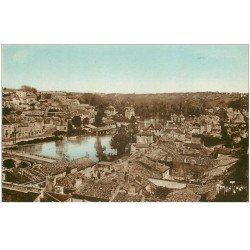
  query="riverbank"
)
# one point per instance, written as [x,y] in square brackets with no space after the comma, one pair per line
[72,148]
[30,141]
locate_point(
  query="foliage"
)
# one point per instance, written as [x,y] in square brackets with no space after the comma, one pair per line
[121,140]
[211,141]
[29,89]
[85,121]
[7,110]
[225,137]
[100,150]
[23,164]
[58,133]
[215,153]
[132,119]
[47,96]
[76,121]
[238,104]
[99,115]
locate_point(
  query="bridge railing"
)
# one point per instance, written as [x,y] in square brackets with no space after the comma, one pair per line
[27,155]
[20,187]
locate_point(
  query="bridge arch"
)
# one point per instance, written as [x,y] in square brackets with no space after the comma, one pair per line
[9,163]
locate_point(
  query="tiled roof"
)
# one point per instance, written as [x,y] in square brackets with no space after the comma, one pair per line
[96,189]
[138,145]
[124,197]
[145,133]
[183,195]
[55,197]
[81,163]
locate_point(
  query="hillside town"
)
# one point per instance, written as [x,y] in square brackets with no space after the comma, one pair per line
[175,155]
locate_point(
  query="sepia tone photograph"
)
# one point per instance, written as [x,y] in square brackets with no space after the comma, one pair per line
[125,123]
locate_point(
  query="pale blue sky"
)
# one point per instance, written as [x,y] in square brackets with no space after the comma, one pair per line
[127,68]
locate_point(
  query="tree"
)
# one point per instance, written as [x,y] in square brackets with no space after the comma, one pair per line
[225,137]
[70,127]
[57,133]
[6,110]
[47,96]
[85,121]
[76,121]
[99,116]
[132,119]
[100,154]
[120,140]
[29,89]
[222,113]
[23,164]
[236,104]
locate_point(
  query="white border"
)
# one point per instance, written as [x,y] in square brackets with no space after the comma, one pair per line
[124,226]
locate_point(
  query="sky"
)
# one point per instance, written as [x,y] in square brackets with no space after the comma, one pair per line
[126,68]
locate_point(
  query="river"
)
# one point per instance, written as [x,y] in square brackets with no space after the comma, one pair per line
[72,148]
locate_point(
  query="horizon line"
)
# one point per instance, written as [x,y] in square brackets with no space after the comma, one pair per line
[135,93]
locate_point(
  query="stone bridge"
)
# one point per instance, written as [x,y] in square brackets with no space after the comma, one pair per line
[11,159]
[104,130]
[20,188]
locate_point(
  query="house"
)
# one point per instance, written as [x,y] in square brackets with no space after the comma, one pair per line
[95,190]
[145,137]
[62,125]
[197,139]
[135,147]
[90,128]
[174,117]
[216,130]
[156,129]
[129,112]
[21,93]
[7,129]
[195,128]
[167,183]
[110,111]
[82,165]
[181,118]
[170,124]
[175,133]
[182,195]
[123,196]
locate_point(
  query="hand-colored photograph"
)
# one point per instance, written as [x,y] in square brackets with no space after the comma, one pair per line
[125,123]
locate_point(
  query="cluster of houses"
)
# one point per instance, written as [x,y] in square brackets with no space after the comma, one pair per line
[33,114]
[169,160]
[158,174]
